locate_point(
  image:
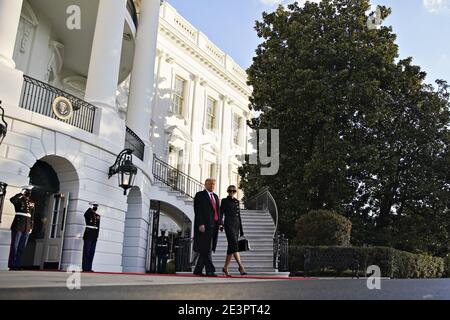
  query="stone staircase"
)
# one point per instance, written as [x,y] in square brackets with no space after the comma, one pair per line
[258,225]
[258,229]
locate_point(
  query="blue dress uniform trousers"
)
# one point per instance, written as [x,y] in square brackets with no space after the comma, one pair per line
[18,243]
[88,254]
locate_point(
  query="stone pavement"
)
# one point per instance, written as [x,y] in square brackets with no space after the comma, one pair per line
[52,285]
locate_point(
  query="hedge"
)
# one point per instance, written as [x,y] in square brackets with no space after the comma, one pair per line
[447,266]
[393,263]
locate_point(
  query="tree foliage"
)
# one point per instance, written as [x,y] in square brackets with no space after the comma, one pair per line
[361,132]
[323,228]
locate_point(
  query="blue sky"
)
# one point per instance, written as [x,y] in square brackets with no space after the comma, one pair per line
[422,27]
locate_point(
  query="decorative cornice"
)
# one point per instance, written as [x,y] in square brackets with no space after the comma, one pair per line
[205,59]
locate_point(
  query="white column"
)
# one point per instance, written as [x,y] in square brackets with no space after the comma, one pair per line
[9,23]
[104,67]
[195,160]
[225,139]
[139,112]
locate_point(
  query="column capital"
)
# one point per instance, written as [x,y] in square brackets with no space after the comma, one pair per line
[9,23]
[194,77]
[160,53]
[203,82]
[169,58]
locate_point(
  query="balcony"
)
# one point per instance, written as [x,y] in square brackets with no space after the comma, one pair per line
[38,97]
[133,142]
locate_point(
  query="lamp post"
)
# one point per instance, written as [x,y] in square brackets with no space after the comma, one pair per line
[3,126]
[3,131]
[125,169]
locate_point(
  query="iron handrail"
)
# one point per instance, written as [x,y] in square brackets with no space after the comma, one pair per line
[175,178]
[133,142]
[264,200]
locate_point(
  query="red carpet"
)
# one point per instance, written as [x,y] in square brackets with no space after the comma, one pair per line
[188,275]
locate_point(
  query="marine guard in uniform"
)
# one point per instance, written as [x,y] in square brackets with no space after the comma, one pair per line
[90,236]
[162,251]
[21,227]
[178,246]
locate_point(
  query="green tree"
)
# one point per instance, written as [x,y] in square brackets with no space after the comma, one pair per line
[360,130]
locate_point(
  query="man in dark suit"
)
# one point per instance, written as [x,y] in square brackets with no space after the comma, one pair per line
[206,227]
[90,236]
[21,227]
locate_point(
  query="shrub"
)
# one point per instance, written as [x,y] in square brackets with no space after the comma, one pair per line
[321,227]
[447,266]
[393,263]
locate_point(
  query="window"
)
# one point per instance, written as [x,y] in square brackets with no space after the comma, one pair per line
[211,114]
[237,129]
[178,96]
[176,158]
[211,170]
[176,161]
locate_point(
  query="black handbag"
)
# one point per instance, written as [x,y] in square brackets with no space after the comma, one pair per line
[243,244]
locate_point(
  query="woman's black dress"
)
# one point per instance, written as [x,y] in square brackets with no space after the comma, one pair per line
[230,210]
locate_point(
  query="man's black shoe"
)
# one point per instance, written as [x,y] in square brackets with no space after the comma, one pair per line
[198,274]
[211,275]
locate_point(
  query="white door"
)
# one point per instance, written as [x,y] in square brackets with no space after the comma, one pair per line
[54,233]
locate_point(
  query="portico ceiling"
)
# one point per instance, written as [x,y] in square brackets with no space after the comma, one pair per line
[78,43]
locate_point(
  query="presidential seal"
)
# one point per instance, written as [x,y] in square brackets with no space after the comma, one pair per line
[62,108]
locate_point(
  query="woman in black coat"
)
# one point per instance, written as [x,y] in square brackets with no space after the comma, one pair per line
[229,209]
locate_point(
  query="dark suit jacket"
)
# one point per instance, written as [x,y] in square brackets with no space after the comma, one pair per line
[204,215]
[21,204]
[92,219]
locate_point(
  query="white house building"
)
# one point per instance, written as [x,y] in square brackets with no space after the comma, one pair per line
[137,75]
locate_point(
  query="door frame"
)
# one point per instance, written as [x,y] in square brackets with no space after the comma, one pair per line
[60,224]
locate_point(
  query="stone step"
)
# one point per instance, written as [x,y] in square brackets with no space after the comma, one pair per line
[252,256]
[258,225]
[256,273]
[249,232]
[256,216]
[249,262]
[265,250]
[259,243]
[258,220]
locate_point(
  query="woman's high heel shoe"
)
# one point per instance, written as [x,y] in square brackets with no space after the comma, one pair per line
[226,272]
[243,273]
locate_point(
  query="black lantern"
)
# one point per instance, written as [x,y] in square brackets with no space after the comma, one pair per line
[3,131]
[3,126]
[2,197]
[125,169]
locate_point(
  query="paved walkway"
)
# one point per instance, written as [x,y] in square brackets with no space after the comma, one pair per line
[53,285]
[46,279]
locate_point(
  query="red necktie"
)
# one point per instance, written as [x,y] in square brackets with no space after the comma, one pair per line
[216,216]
